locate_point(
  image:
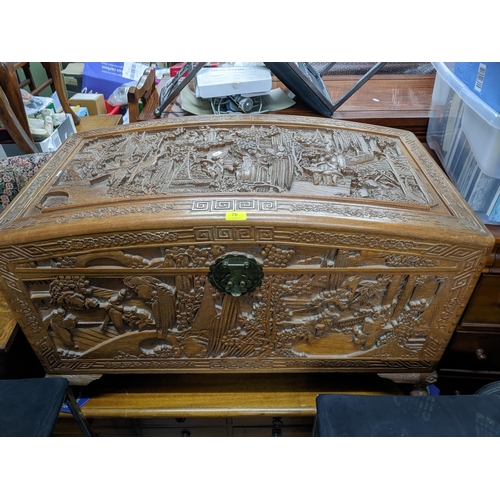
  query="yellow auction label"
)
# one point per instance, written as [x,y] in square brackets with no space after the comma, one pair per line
[236,216]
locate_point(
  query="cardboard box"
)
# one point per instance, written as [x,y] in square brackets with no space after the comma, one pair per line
[49,145]
[93,102]
[105,77]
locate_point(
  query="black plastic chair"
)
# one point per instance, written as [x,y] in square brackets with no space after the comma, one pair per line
[344,415]
[30,407]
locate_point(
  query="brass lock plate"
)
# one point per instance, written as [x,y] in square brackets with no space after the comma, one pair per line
[235,274]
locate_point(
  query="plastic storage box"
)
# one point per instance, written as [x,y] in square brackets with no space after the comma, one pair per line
[464,132]
[483,79]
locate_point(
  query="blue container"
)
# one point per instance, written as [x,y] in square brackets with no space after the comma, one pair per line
[483,79]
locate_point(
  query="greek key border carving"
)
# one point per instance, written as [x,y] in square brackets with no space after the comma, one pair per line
[233,233]
[242,233]
[224,205]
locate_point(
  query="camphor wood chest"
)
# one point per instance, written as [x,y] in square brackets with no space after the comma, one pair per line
[240,243]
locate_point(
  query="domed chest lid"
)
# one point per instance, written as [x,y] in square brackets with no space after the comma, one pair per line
[266,165]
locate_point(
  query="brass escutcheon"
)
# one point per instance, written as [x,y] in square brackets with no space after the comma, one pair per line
[235,274]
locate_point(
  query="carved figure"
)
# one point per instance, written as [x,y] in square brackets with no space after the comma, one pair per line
[61,324]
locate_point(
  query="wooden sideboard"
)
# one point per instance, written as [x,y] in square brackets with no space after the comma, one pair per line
[242,405]
[472,358]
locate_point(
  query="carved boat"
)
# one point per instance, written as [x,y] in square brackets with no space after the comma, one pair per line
[240,243]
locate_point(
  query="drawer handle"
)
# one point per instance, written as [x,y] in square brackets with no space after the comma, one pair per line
[480,355]
[185,434]
[277,423]
[277,433]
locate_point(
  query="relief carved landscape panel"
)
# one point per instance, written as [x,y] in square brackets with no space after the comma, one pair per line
[313,302]
[258,159]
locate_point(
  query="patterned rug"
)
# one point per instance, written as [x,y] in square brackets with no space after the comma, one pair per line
[16,171]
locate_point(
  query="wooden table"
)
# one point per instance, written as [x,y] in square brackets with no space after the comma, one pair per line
[399,101]
[223,394]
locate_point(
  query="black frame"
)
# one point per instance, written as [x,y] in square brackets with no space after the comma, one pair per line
[307,84]
[170,91]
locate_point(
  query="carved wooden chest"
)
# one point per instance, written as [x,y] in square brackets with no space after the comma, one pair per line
[259,243]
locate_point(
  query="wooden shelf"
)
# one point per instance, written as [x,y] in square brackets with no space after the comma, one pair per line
[222,395]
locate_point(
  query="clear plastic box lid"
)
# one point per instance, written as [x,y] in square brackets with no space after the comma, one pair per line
[489,115]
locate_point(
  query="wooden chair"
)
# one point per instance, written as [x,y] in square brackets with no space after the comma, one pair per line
[12,111]
[142,91]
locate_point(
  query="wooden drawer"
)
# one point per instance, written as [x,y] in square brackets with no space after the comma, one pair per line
[185,432]
[66,426]
[292,431]
[272,422]
[454,382]
[483,309]
[181,423]
[475,351]
[183,427]
[273,426]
